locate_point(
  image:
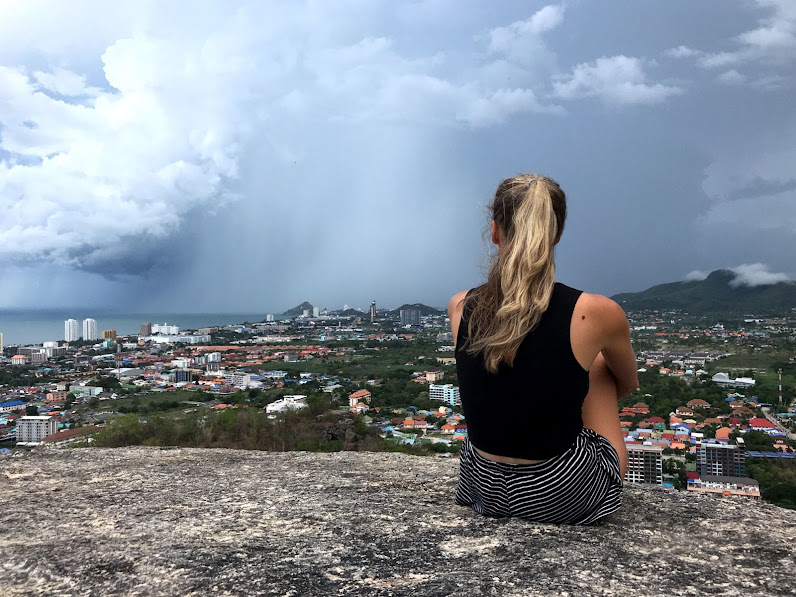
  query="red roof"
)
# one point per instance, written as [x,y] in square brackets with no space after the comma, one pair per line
[760,422]
[359,394]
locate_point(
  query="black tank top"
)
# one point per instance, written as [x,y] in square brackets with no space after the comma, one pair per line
[532,409]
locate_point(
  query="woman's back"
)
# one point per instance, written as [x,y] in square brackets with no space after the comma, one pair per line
[542,391]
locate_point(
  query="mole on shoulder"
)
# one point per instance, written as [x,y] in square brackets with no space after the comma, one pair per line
[583,317]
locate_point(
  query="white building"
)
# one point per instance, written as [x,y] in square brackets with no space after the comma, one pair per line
[71,331]
[239,379]
[726,486]
[182,362]
[90,329]
[724,380]
[34,353]
[269,317]
[173,339]
[170,330]
[213,357]
[644,464]
[294,402]
[32,430]
[447,393]
[1,343]
[274,374]
[79,390]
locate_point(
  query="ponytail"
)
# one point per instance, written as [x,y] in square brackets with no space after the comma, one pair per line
[530,211]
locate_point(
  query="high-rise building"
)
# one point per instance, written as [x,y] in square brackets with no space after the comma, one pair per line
[182,375]
[108,334]
[315,311]
[1,343]
[410,316]
[33,429]
[373,311]
[90,329]
[714,458]
[71,330]
[269,317]
[145,329]
[644,464]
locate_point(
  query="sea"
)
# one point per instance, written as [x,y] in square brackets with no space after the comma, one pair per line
[34,326]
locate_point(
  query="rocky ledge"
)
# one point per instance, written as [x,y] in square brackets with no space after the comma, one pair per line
[150,521]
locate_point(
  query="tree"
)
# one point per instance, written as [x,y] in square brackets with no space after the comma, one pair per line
[31,411]
[93,402]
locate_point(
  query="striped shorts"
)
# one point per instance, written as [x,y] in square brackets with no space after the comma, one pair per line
[578,486]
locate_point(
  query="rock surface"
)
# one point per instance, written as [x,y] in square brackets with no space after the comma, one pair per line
[150,521]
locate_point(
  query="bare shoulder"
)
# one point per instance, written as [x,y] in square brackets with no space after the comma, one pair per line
[456,303]
[602,308]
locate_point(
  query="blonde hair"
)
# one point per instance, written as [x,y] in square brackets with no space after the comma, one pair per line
[529,211]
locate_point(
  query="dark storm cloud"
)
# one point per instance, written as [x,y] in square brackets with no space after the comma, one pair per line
[257,155]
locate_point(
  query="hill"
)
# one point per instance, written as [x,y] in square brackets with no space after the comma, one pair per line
[424,309]
[151,521]
[714,294]
[299,309]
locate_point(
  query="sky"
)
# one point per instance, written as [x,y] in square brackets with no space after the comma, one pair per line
[237,156]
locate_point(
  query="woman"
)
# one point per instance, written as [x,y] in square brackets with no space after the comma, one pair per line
[540,368]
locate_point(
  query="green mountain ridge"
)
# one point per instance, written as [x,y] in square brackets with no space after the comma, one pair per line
[424,309]
[714,294]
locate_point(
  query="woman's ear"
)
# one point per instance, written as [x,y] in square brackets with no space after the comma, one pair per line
[495,233]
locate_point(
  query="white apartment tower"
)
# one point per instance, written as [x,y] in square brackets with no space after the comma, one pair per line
[90,329]
[32,430]
[644,464]
[1,343]
[71,331]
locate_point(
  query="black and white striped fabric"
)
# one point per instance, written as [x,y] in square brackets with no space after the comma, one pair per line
[578,486]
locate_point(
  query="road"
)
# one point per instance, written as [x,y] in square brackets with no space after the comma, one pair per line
[774,420]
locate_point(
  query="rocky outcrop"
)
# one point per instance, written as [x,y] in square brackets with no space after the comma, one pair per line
[299,309]
[150,521]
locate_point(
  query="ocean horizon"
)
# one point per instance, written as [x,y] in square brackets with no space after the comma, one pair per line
[34,326]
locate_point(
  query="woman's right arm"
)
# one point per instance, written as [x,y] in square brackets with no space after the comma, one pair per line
[455,307]
[616,349]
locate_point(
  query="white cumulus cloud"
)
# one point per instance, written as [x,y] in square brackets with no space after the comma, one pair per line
[695,276]
[756,274]
[773,40]
[681,52]
[616,80]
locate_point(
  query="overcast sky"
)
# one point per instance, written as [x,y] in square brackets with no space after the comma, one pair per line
[244,156]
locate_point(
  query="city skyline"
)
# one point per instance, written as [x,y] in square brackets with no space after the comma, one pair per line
[154,155]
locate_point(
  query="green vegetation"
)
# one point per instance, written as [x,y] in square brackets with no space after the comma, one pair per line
[713,295]
[314,429]
[777,480]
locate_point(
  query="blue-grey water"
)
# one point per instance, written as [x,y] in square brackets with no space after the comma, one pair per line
[33,326]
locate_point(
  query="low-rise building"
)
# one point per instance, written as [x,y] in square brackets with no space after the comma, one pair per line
[294,402]
[726,486]
[447,393]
